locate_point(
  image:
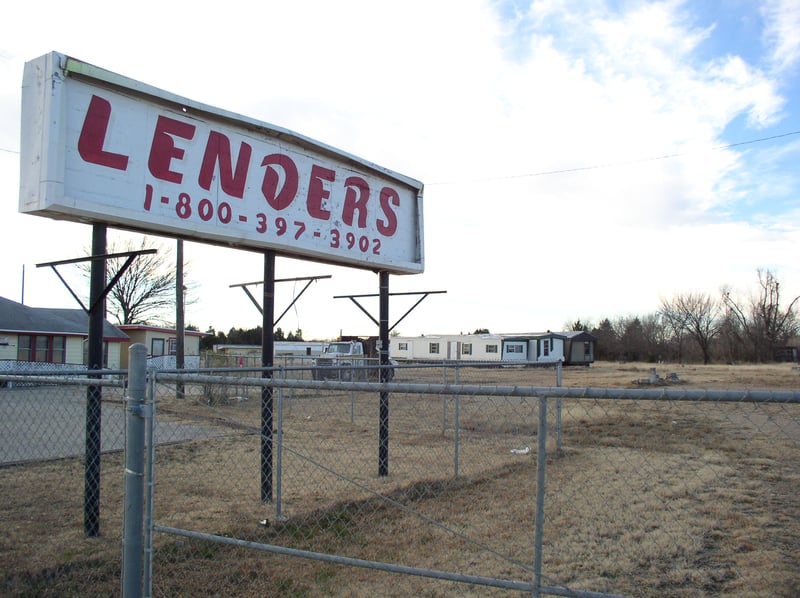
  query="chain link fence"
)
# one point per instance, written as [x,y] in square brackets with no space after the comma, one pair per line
[287,486]
[53,487]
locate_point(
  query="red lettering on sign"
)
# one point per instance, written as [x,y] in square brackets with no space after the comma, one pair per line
[317,192]
[163,149]
[389,198]
[93,136]
[355,198]
[218,151]
[172,139]
[279,196]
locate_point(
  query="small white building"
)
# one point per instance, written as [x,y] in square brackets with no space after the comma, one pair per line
[162,345]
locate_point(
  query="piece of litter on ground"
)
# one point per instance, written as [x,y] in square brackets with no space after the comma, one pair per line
[524,451]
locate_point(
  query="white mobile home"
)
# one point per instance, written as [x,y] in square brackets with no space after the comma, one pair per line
[444,347]
[545,347]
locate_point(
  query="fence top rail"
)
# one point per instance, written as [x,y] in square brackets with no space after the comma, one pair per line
[370,363]
[668,394]
[75,378]
[62,372]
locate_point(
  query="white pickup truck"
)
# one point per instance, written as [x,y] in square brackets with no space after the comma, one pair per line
[350,358]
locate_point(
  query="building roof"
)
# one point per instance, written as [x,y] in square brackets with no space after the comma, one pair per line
[22,319]
[579,335]
[147,328]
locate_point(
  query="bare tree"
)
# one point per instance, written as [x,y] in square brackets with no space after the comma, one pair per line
[655,336]
[145,292]
[702,320]
[696,314]
[732,345]
[676,321]
[146,289]
[765,323]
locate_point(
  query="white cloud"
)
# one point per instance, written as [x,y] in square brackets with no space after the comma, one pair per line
[782,32]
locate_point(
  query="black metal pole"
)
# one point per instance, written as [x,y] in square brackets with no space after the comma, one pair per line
[383,325]
[267,353]
[180,325]
[91,512]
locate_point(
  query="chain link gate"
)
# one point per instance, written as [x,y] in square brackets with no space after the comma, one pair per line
[466,500]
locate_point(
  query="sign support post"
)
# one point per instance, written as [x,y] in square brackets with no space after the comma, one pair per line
[383,339]
[267,361]
[383,335]
[91,513]
[180,318]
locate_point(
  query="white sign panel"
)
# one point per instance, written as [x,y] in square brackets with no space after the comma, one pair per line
[101,148]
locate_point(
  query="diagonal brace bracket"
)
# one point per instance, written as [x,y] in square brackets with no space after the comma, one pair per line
[355,298]
[260,309]
[130,255]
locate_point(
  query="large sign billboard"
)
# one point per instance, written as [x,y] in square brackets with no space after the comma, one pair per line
[98,147]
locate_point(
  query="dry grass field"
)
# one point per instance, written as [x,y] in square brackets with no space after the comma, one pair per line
[645,498]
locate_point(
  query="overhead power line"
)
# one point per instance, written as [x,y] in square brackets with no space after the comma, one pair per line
[617,164]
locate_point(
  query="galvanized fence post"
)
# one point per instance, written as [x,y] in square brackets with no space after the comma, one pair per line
[541,463]
[279,459]
[559,376]
[150,484]
[456,425]
[132,557]
[444,398]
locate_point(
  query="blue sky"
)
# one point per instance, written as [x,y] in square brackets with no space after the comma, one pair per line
[581,159]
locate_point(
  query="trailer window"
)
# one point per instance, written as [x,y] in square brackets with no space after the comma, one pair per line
[546,347]
[433,348]
[157,347]
[491,348]
[466,349]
